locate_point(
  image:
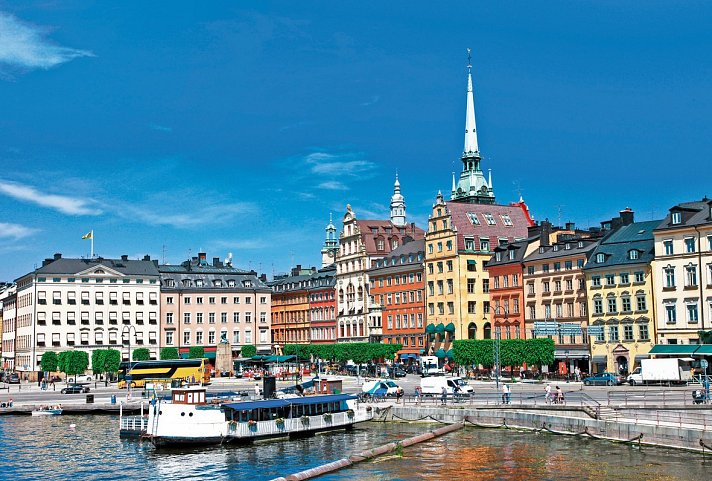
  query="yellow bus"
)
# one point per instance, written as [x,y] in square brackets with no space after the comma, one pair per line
[136,373]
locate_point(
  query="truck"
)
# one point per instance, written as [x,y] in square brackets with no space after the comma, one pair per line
[433,385]
[429,366]
[662,371]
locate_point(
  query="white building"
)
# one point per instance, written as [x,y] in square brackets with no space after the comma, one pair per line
[83,304]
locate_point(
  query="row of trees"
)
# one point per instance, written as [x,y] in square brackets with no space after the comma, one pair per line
[68,362]
[167,353]
[512,352]
[358,352]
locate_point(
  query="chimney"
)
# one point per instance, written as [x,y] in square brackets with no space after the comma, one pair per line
[216,262]
[46,262]
[263,277]
[627,216]
[147,257]
[545,233]
[202,256]
[124,257]
[57,256]
[155,262]
[570,226]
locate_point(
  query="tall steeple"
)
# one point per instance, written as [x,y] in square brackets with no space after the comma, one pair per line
[472,186]
[331,244]
[397,205]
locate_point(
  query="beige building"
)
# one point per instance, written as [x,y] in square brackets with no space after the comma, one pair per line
[682,271]
[620,293]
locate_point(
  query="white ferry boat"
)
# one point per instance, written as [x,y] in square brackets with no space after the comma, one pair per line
[188,419]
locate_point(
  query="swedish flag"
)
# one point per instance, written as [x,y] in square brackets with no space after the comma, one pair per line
[88,235]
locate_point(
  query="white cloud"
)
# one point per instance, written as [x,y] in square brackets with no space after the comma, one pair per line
[332,185]
[195,217]
[22,45]
[15,231]
[374,100]
[160,128]
[61,203]
[326,164]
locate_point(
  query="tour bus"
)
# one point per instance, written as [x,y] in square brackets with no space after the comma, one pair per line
[136,373]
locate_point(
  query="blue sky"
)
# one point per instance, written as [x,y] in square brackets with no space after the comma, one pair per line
[170,127]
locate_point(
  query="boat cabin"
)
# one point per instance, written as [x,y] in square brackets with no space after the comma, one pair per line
[287,408]
[189,396]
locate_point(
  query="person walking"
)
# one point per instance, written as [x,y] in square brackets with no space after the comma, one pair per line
[257,390]
[443,396]
[505,393]
[418,394]
[547,397]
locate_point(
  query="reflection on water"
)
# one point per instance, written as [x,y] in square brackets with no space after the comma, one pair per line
[48,448]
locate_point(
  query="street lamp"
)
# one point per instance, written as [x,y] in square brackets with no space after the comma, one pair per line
[497,340]
[130,367]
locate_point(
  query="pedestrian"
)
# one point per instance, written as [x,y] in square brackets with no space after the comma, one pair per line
[257,390]
[443,396]
[577,372]
[418,393]
[547,390]
[505,393]
[559,396]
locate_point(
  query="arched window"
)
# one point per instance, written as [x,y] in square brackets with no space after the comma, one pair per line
[488,331]
[472,331]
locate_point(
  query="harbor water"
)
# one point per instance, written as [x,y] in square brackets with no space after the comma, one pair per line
[88,447]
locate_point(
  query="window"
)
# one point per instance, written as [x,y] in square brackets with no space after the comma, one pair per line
[498,256]
[186,338]
[670,313]
[689,245]
[610,280]
[545,286]
[198,317]
[248,317]
[469,244]
[236,337]
[451,308]
[612,305]
[471,307]
[485,286]
[211,318]
[596,281]
[667,245]
[600,258]
[211,337]
[530,288]
[223,317]
[676,217]
[186,300]
[568,265]
[545,268]
[557,266]
[628,332]
[441,308]
[625,304]
[484,244]
[547,311]
[470,286]
[569,284]
[186,318]
[199,300]
[489,218]
[624,278]
[633,254]
[532,312]
[669,277]
[639,277]
[506,219]
[598,306]
[691,276]
[235,317]
[496,282]
[641,305]
[199,338]
[692,314]
[612,333]
[449,266]
[579,263]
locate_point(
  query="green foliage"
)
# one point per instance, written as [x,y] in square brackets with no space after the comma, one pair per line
[196,352]
[49,361]
[98,359]
[249,350]
[358,352]
[705,337]
[112,359]
[168,353]
[143,354]
[73,362]
[512,352]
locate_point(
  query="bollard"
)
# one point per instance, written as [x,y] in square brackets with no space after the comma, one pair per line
[113,399]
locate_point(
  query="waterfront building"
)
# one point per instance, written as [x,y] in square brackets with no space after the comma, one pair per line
[361,243]
[619,286]
[461,237]
[202,302]
[682,272]
[397,298]
[84,304]
[290,307]
[322,305]
[8,306]
[506,273]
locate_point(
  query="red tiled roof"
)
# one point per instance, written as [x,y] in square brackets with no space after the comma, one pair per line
[518,214]
[368,237]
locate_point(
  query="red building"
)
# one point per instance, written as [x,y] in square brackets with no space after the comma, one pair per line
[322,306]
[397,291]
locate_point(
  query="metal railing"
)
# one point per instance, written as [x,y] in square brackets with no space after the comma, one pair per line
[651,398]
[133,423]
[295,425]
[528,399]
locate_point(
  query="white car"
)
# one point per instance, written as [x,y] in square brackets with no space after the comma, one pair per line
[79,378]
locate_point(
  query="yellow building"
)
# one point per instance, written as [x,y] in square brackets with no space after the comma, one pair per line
[619,288]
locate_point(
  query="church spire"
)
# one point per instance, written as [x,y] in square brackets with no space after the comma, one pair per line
[471,146]
[331,244]
[397,205]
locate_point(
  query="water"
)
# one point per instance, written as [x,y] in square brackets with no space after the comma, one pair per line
[49,449]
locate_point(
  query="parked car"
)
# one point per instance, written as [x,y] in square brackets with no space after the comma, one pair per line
[13,378]
[397,372]
[75,389]
[604,379]
[79,378]
[382,388]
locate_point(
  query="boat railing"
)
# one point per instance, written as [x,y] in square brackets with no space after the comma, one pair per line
[134,423]
[295,425]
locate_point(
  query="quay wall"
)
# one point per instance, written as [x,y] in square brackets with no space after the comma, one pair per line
[565,422]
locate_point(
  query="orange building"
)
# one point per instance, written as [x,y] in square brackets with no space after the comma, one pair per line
[397,291]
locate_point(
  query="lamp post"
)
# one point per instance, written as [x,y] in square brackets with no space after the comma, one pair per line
[127,329]
[568,368]
[497,340]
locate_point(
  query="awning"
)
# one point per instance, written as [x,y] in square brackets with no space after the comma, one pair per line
[408,355]
[441,353]
[440,328]
[675,349]
[209,354]
[279,358]
[599,359]
[430,329]
[704,350]
[471,262]
[450,327]
[571,354]
[450,354]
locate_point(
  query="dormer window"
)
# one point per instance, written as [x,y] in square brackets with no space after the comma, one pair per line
[186,282]
[541,250]
[489,218]
[633,254]
[580,244]
[217,283]
[511,255]
[498,256]
[677,218]
[568,246]
[600,258]
[231,283]
[473,218]
[506,219]
[556,248]
[199,283]
[170,283]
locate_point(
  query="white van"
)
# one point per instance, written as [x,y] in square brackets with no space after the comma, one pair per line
[429,366]
[433,385]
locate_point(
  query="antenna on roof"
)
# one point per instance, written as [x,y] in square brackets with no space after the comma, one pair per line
[228,259]
[560,209]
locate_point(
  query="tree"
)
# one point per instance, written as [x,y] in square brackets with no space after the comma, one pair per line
[49,361]
[98,361]
[196,352]
[249,351]
[168,353]
[143,354]
[73,362]
[112,360]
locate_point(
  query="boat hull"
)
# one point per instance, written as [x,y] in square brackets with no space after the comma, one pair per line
[49,412]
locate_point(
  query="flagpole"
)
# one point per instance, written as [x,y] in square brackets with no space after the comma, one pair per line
[92,244]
